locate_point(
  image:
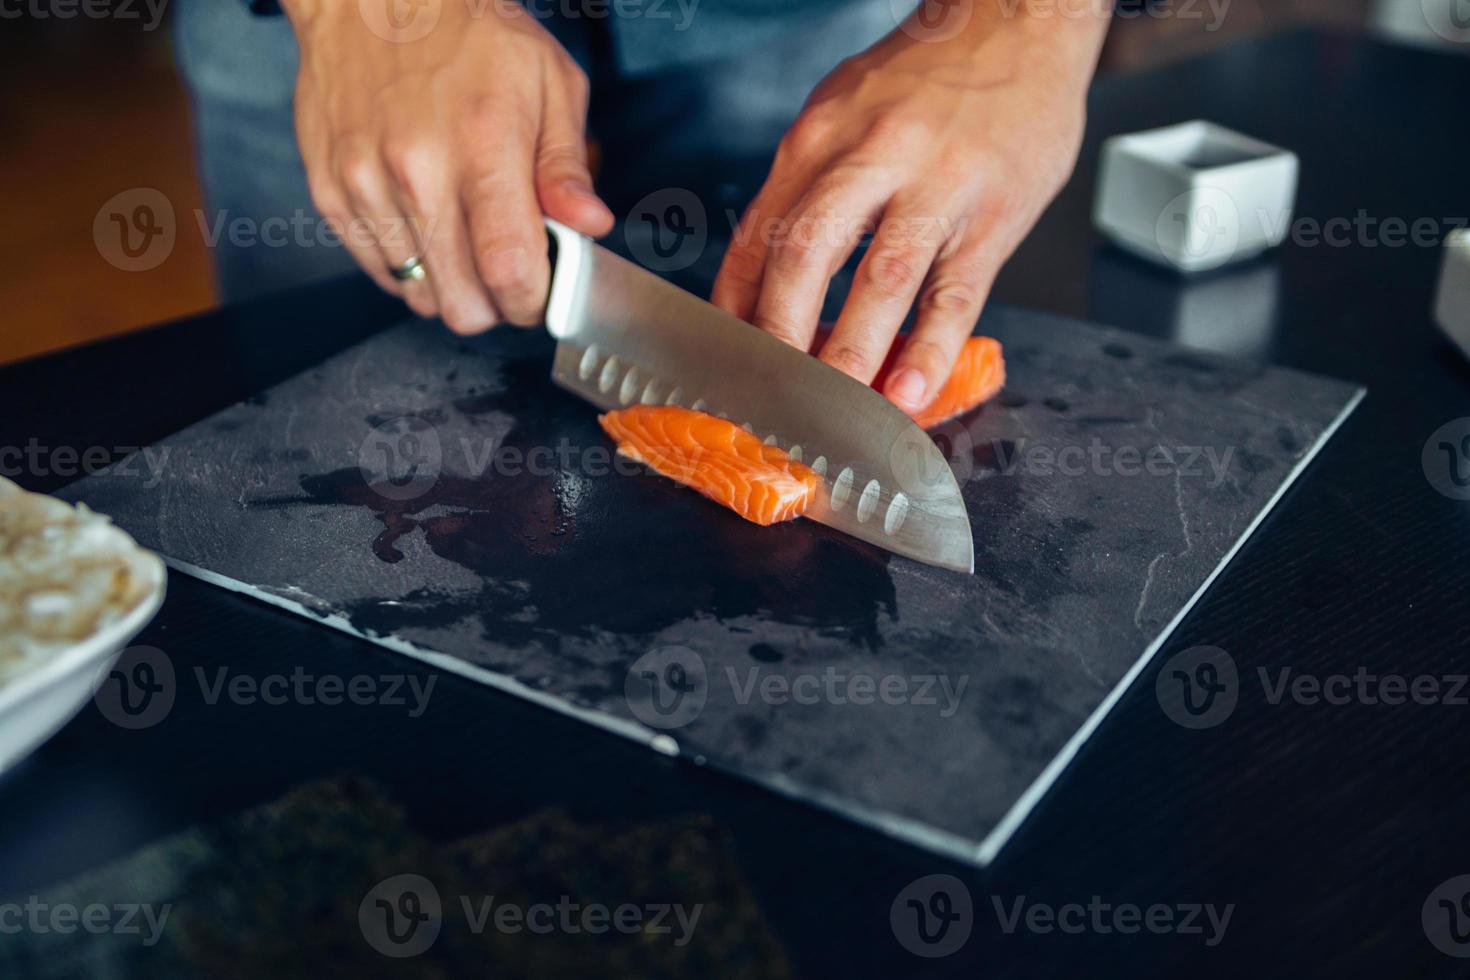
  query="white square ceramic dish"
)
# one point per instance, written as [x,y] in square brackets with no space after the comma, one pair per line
[1195,196]
[1440,24]
[1452,307]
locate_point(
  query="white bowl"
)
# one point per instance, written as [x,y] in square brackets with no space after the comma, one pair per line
[43,691]
[1195,196]
[39,703]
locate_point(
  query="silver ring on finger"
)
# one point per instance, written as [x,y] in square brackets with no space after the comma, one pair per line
[411,270]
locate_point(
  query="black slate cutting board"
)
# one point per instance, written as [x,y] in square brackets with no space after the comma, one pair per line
[441,497]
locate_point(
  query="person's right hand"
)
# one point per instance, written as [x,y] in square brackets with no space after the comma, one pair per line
[450,148]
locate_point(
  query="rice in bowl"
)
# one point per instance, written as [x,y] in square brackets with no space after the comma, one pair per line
[66,574]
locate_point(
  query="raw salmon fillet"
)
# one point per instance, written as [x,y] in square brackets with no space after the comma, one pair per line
[979,374]
[761,483]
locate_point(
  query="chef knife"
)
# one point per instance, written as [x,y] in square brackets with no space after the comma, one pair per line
[625,336]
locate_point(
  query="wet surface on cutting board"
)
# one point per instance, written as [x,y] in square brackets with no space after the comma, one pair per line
[444,493]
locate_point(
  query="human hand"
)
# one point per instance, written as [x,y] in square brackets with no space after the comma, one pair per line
[946,151]
[449,148]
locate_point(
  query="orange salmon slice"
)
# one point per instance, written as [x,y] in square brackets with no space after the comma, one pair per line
[716,457]
[978,376]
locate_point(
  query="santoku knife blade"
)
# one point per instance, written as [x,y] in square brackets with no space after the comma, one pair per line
[626,336]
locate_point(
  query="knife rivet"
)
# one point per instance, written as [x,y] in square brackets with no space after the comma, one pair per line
[589,362]
[868,502]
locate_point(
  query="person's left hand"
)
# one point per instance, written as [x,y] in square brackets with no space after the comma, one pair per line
[946,152]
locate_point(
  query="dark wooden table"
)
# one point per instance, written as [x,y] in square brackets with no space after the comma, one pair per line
[1327,826]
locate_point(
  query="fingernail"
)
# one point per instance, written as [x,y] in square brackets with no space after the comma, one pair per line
[580,190]
[583,191]
[907,388]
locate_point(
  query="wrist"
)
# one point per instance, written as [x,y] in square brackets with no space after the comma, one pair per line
[1004,38]
[1068,34]
[301,13]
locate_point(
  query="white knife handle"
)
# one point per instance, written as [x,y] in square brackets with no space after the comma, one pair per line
[568,272]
